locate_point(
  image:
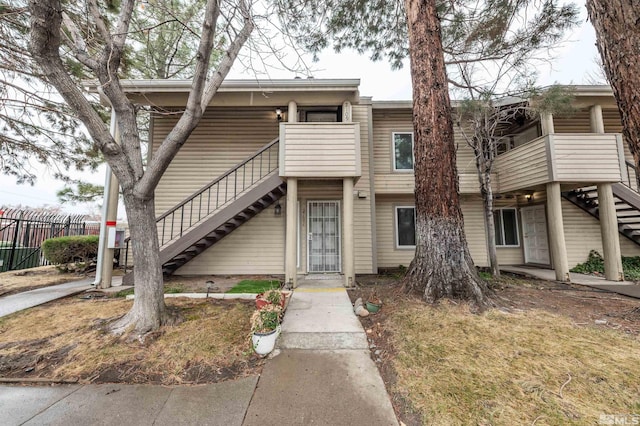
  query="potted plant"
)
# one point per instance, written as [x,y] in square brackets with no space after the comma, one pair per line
[265,328]
[374,303]
[270,297]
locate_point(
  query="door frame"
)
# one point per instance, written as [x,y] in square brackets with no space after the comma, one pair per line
[339,232]
[546,230]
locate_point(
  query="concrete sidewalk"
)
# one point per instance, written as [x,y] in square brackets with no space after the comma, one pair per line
[29,299]
[625,288]
[323,373]
[114,404]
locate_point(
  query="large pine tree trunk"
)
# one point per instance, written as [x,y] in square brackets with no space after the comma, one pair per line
[148,311]
[442,266]
[617,25]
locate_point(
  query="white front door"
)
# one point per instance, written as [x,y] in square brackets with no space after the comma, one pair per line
[534,226]
[323,240]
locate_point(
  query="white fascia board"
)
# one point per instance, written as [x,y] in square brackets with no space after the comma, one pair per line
[288,85]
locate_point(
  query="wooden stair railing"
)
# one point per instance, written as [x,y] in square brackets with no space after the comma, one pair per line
[217,209]
[627,202]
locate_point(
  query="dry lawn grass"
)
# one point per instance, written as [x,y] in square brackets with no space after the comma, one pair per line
[29,279]
[66,341]
[457,368]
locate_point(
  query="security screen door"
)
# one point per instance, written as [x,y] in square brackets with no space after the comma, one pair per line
[323,245]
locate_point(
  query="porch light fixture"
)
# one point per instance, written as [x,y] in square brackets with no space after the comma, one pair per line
[277,209]
[279,114]
[529,196]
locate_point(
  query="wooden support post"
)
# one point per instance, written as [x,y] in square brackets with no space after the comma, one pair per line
[609,231]
[291,243]
[556,232]
[347,232]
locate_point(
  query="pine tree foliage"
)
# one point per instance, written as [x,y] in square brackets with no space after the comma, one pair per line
[36,126]
[475,31]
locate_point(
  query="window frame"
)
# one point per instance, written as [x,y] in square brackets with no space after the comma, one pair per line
[517,225]
[397,230]
[393,152]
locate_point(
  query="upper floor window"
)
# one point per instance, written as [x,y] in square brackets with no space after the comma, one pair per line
[405,227]
[506,224]
[402,151]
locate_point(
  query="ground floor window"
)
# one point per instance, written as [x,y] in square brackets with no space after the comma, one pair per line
[405,226]
[506,224]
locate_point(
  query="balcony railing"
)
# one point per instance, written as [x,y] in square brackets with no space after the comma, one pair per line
[315,150]
[562,157]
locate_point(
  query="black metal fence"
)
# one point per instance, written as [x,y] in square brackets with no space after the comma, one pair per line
[22,233]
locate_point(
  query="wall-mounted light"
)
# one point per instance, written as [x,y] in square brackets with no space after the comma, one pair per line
[279,114]
[529,196]
[277,209]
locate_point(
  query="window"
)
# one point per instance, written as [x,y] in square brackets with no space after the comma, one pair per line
[405,227]
[506,224]
[402,151]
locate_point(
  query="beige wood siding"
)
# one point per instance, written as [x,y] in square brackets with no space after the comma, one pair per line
[256,247]
[389,256]
[320,150]
[404,183]
[582,234]
[523,166]
[224,138]
[576,122]
[587,157]
[362,209]
[388,181]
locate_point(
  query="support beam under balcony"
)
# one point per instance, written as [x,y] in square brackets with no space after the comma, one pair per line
[347,232]
[556,232]
[609,231]
[291,243]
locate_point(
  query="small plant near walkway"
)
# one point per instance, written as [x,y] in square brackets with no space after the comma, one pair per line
[254,286]
[595,265]
[266,319]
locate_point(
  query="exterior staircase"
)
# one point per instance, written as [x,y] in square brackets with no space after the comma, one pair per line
[220,207]
[627,207]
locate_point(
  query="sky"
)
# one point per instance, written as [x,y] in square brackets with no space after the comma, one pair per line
[572,63]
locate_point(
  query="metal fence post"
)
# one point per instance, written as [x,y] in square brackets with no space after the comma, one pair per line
[14,243]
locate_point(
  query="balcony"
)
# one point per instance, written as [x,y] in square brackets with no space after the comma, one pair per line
[320,150]
[572,158]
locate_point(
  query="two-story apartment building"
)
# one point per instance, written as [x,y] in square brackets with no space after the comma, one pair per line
[306,176]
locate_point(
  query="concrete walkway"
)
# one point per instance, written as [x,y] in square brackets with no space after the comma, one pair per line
[626,288]
[113,404]
[29,299]
[323,373]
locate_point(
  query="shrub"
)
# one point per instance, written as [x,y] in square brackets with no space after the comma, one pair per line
[595,263]
[64,251]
